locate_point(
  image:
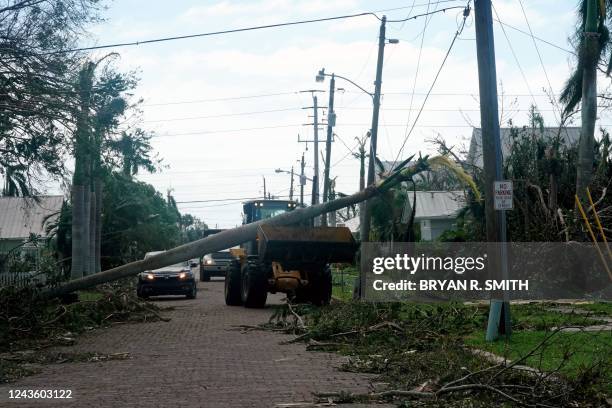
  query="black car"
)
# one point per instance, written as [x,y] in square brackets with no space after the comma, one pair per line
[175,279]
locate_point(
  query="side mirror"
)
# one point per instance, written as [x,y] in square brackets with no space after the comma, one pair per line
[193,264]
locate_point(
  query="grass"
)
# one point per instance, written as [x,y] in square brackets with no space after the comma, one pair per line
[539,317]
[409,344]
[570,354]
[343,281]
[598,308]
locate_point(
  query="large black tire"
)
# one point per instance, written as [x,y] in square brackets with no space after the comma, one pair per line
[254,285]
[232,284]
[193,292]
[321,287]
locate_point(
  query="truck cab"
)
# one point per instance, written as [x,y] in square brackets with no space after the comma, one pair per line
[256,210]
[261,209]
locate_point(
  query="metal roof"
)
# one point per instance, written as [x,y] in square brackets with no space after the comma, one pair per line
[434,204]
[429,205]
[22,216]
[568,136]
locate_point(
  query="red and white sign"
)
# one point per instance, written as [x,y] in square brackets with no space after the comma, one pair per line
[502,194]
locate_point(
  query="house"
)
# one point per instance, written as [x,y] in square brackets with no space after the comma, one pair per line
[436,212]
[20,217]
[569,136]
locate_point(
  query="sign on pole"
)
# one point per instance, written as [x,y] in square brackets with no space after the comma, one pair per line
[502,194]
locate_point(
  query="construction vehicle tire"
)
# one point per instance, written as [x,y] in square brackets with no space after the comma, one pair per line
[232,284]
[254,285]
[321,287]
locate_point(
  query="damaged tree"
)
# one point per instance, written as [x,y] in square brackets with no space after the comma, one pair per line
[229,238]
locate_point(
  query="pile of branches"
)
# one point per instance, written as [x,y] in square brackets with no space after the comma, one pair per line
[28,321]
[418,352]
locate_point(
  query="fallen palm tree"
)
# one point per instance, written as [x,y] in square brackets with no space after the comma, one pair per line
[236,236]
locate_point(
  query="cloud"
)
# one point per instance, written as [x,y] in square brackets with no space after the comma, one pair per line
[255,9]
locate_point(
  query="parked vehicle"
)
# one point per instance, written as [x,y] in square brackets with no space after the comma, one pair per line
[177,279]
[214,264]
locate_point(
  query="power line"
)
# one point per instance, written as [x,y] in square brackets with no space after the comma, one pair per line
[425,14]
[416,74]
[230,31]
[466,13]
[538,52]
[515,57]
[345,91]
[534,37]
[226,199]
[223,115]
[205,132]
[232,98]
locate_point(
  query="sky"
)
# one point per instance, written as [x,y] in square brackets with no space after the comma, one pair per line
[228,110]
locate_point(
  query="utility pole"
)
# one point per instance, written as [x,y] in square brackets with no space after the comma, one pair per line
[362,156]
[331,122]
[302,181]
[264,181]
[315,178]
[365,224]
[332,197]
[291,186]
[315,124]
[589,100]
[499,311]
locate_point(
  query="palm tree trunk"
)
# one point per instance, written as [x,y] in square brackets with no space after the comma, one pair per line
[589,104]
[86,235]
[98,187]
[77,231]
[80,184]
[92,231]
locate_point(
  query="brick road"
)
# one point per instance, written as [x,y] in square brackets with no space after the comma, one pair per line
[193,360]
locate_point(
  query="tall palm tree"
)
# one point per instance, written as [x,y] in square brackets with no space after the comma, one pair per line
[593,45]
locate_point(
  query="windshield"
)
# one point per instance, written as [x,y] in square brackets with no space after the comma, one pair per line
[268,212]
[180,265]
[221,255]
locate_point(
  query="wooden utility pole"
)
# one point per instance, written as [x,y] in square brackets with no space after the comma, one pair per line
[291,186]
[364,229]
[499,313]
[589,100]
[264,186]
[315,178]
[302,181]
[331,122]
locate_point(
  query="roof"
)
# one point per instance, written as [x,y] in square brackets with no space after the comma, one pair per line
[435,204]
[389,166]
[429,205]
[22,216]
[569,136]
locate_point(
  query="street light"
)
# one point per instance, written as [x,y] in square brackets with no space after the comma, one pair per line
[322,74]
[288,172]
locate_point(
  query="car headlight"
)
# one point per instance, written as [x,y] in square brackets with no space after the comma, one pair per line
[209,262]
[183,275]
[150,276]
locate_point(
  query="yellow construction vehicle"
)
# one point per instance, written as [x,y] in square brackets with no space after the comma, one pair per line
[293,260]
